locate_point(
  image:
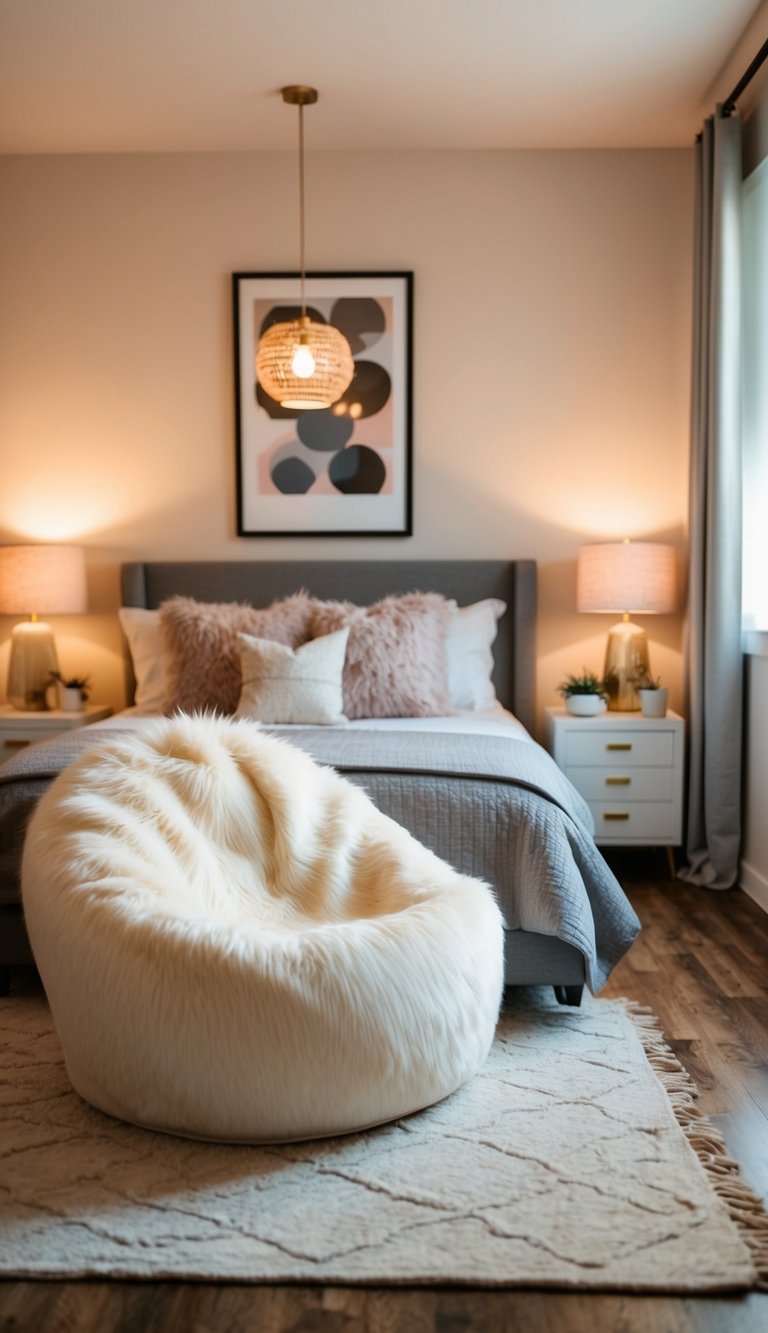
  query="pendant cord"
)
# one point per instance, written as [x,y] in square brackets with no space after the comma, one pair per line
[301,207]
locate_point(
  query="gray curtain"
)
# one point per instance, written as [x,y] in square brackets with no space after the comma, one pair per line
[714,655]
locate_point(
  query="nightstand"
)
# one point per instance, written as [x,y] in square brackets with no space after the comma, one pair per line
[18,728]
[629,769]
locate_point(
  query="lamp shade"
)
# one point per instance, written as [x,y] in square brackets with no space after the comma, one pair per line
[333,371]
[42,580]
[627,576]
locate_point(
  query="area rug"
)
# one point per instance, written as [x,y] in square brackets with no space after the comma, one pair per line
[576,1159]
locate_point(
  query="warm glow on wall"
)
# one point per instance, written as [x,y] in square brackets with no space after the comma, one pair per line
[53,520]
[610,512]
[67,508]
[572,477]
[73,510]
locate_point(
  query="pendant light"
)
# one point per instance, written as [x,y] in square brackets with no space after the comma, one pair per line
[302,364]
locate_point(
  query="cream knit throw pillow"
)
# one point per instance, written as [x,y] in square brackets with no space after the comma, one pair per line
[283,684]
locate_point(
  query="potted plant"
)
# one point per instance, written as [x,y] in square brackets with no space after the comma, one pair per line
[584,695]
[653,696]
[72,690]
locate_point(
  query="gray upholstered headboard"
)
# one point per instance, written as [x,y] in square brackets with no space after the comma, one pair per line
[365,581]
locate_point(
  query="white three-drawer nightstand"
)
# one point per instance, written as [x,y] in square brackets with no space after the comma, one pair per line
[629,769]
[19,728]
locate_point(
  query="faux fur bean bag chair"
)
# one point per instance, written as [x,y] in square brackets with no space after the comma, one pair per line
[237,945]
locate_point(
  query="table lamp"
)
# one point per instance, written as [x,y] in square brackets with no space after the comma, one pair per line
[624,577]
[38,580]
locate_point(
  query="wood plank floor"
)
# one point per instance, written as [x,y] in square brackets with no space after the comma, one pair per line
[702,965]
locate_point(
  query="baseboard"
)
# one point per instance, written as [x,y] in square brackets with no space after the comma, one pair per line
[754,884]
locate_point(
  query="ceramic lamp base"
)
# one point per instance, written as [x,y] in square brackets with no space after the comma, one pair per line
[33,659]
[626,664]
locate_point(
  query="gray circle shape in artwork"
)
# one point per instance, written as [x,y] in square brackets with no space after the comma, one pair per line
[360,319]
[367,394]
[291,476]
[295,449]
[283,314]
[324,430]
[357,470]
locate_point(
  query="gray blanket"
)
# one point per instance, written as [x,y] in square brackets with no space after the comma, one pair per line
[493,807]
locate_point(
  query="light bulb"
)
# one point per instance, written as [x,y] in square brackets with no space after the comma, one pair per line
[303,363]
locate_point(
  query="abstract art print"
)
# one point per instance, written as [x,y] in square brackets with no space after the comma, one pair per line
[341,471]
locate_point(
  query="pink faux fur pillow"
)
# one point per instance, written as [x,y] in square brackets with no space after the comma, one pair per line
[396,663]
[202,650]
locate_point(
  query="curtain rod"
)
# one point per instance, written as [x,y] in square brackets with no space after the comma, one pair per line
[729,104]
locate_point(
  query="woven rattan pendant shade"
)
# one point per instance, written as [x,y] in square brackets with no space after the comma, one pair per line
[324,355]
[333,372]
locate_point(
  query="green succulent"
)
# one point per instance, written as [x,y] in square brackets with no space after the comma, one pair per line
[586,683]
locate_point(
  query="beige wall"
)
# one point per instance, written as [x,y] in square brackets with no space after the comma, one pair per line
[552,297]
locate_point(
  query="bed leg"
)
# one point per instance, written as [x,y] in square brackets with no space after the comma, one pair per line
[569,995]
[5,979]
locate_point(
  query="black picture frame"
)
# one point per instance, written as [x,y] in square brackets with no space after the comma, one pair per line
[376,315]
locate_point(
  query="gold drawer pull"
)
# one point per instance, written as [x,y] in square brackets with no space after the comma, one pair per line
[613,814]
[15,745]
[619,745]
[617,782]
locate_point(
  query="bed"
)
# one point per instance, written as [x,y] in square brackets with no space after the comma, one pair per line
[476,790]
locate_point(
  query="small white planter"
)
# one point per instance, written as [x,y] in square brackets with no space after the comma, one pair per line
[70,699]
[584,705]
[654,702]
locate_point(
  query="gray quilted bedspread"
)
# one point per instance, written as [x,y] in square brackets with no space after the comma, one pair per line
[493,807]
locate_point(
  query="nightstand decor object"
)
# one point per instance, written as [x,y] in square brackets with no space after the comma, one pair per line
[584,695]
[624,577]
[38,580]
[653,700]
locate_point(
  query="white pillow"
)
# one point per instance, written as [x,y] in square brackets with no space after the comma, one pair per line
[282,684]
[142,630]
[471,633]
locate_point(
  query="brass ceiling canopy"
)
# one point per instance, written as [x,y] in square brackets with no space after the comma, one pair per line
[299,94]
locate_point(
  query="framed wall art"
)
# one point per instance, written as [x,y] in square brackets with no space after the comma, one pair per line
[341,471]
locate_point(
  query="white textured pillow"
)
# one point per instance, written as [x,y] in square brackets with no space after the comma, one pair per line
[282,684]
[142,630]
[471,633]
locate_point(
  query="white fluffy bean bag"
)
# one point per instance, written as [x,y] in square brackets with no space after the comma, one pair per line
[237,945]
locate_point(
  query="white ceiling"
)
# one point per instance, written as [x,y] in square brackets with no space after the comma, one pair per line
[187,75]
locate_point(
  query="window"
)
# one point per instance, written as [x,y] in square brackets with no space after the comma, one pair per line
[755,398]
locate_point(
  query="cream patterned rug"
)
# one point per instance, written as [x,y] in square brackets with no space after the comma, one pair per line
[568,1162]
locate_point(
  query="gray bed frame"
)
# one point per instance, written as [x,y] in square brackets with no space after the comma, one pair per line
[530,959]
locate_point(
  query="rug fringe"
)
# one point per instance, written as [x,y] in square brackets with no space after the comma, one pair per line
[744,1206]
